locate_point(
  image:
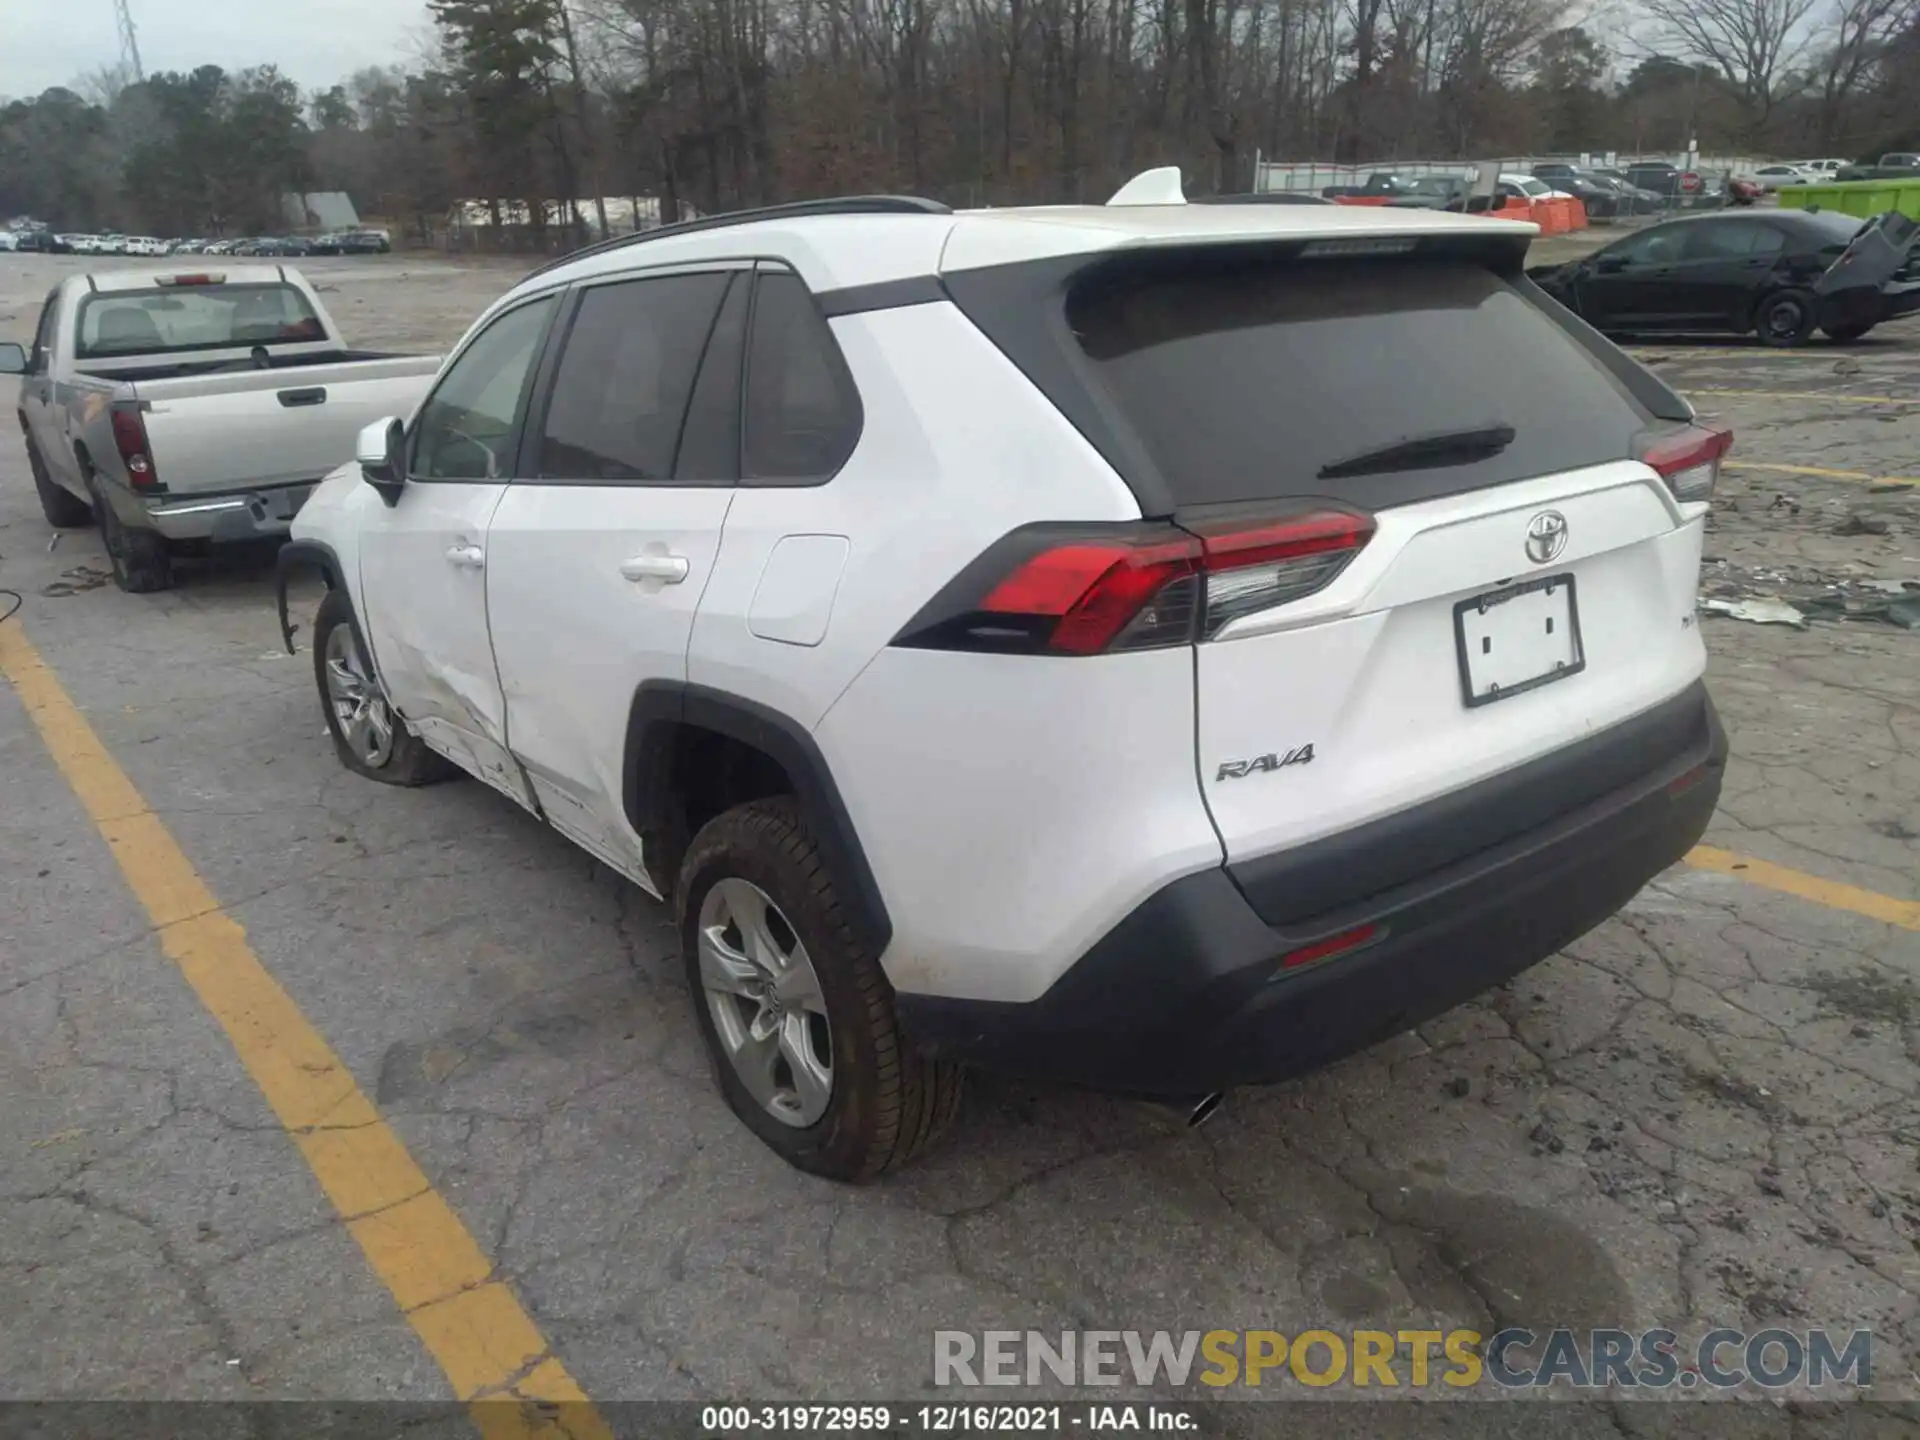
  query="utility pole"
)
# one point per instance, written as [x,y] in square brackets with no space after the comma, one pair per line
[129,41]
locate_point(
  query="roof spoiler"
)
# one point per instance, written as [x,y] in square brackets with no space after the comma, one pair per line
[1152,187]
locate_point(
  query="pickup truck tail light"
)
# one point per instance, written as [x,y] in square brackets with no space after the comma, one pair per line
[130,438]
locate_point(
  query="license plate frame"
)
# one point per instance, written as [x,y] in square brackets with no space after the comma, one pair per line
[1491,599]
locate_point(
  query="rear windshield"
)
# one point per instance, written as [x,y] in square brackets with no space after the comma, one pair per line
[1247,383]
[194,317]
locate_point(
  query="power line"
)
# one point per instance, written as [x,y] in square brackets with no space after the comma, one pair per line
[129,40]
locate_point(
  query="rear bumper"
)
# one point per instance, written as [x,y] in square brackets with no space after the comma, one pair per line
[1186,995]
[244,515]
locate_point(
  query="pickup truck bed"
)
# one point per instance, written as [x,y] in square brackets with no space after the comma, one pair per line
[253,429]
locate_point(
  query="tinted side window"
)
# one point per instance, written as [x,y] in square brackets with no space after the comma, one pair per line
[802,411]
[1731,240]
[710,440]
[467,430]
[1659,246]
[620,392]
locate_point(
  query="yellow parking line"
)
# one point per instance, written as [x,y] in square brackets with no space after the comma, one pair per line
[1808,395]
[1822,473]
[470,1321]
[1831,893]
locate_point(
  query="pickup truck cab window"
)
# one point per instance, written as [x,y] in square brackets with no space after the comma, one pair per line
[118,324]
[468,425]
[625,376]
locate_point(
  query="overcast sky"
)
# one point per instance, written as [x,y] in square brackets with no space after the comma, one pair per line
[51,42]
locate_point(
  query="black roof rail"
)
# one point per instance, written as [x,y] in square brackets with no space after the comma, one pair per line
[844,205]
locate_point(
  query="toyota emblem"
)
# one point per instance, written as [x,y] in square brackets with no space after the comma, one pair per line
[1546,536]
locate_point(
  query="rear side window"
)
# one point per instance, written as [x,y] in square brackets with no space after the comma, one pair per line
[621,389]
[1271,380]
[802,412]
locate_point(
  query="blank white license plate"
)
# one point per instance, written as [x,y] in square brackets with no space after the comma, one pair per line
[1517,639]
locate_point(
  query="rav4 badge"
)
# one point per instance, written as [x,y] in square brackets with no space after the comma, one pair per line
[1261,764]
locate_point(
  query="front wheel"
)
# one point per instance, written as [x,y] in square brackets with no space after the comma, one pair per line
[797,1016]
[367,736]
[1785,319]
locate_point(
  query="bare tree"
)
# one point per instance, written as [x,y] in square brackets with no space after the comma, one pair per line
[1753,44]
[1858,32]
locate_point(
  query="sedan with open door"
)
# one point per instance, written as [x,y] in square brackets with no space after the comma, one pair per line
[1777,274]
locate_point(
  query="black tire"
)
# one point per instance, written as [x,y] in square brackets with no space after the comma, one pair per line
[64,510]
[142,564]
[1784,319]
[406,759]
[1845,334]
[889,1104]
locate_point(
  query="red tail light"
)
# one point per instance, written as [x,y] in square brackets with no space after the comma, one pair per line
[1043,590]
[1688,459]
[130,438]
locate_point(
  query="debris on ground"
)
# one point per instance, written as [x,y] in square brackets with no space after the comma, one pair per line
[1795,594]
[77,581]
[1858,524]
[1760,610]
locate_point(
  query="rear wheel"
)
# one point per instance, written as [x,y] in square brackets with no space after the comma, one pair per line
[1784,319]
[1846,334]
[797,1016]
[141,562]
[368,737]
[62,507]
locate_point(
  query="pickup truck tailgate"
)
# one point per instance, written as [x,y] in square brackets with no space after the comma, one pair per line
[252,429]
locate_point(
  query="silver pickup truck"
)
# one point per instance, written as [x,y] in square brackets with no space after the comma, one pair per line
[177,410]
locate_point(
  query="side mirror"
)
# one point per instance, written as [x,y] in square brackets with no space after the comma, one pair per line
[382,454]
[13,358]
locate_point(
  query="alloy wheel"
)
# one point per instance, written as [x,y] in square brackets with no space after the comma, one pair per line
[358,706]
[765,1001]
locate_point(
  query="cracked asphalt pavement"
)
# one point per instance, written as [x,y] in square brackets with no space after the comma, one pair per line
[1703,1114]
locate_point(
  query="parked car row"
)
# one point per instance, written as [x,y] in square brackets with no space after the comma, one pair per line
[341,242]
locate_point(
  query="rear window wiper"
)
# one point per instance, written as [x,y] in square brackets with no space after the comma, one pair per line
[1419,452]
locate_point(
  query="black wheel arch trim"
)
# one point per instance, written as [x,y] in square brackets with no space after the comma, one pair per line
[298,555]
[662,703]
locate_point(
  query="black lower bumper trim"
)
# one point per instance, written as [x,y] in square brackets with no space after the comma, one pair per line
[1186,995]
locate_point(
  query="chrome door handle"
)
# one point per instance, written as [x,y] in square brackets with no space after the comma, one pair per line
[670,568]
[468,557]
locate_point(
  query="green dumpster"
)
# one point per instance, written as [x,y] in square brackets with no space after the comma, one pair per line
[1856,197]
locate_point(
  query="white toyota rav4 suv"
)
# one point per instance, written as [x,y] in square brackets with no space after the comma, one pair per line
[1163,647]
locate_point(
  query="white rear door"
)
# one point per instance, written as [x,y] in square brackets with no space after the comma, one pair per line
[598,556]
